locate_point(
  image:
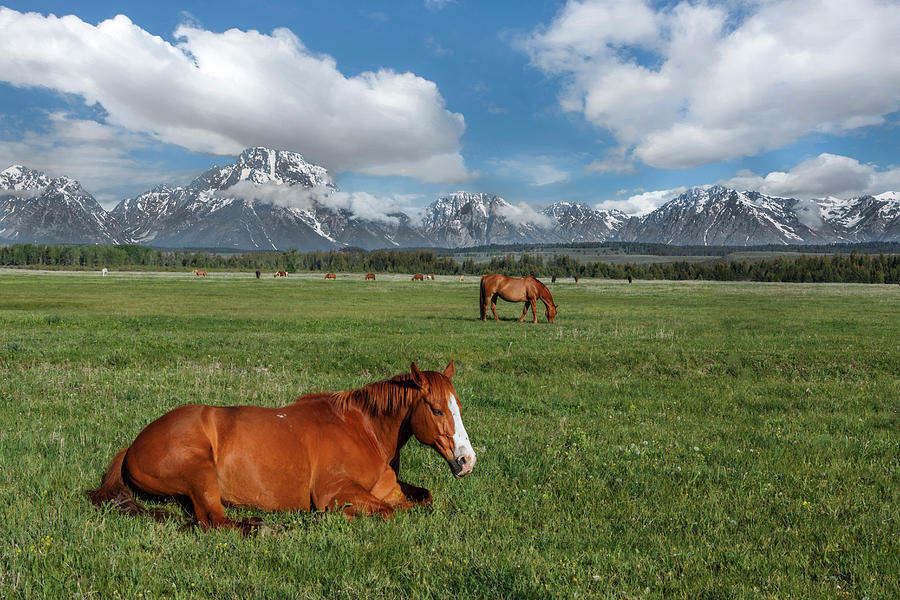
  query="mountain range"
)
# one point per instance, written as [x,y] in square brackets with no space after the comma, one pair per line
[274,200]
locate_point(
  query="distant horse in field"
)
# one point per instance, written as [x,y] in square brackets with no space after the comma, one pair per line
[370,276]
[629,279]
[553,279]
[280,274]
[330,276]
[430,276]
[326,451]
[200,273]
[462,277]
[104,272]
[576,279]
[418,277]
[515,289]
[258,273]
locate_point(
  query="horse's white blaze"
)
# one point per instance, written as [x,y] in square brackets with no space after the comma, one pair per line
[461,443]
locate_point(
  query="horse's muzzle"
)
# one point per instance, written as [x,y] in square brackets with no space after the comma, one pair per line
[462,465]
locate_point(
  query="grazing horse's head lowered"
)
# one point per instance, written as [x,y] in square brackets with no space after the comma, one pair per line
[515,289]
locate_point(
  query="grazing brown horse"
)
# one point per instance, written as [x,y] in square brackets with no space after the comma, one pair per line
[515,289]
[576,279]
[418,277]
[200,273]
[258,273]
[430,276]
[330,276]
[326,451]
[370,276]
[280,274]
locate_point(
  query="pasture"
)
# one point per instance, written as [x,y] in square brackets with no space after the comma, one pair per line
[659,440]
[601,254]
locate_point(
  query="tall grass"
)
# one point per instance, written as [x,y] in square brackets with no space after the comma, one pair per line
[660,440]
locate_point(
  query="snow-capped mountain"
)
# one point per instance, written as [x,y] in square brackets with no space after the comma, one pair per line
[264,201]
[274,200]
[37,209]
[465,219]
[267,200]
[22,179]
[863,219]
[578,222]
[139,216]
[718,216]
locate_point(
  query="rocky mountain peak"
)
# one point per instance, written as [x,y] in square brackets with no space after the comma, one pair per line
[262,165]
[54,211]
[275,199]
[21,178]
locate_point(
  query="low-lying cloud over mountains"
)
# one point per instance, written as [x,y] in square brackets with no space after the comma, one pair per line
[274,200]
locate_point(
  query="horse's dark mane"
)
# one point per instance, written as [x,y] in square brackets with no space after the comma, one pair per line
[388,397]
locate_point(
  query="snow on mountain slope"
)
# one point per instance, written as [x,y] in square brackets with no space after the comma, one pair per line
[37,209]
[274,200]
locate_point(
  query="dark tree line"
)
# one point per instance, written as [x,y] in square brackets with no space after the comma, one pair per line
[143,257]
[855,267]
[656,249]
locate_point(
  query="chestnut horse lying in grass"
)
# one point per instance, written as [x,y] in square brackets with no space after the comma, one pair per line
[326,451]
[515,289]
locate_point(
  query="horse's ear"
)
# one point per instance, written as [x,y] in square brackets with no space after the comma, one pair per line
[418,377]
[449,371]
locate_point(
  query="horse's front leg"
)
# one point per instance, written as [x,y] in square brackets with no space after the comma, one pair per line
[352,499]
[494,307]
[399,494]
[533,309]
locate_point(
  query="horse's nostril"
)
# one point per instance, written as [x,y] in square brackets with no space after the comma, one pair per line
[461,460]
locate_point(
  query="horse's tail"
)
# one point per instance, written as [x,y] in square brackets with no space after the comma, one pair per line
[482,306]
[114,489]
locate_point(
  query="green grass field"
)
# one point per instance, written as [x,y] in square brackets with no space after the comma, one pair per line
[660,440]
[588,255]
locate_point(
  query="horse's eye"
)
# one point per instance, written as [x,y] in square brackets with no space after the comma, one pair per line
[437,412]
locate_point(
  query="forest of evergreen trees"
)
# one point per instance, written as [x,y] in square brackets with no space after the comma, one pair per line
[855,267]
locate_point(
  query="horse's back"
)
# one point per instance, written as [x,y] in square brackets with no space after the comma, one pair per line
[492,282]
[269,458]
[241,450]
[511,289]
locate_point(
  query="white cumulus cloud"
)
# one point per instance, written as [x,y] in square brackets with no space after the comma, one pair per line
[698,82]
[821,176]
[643,202]
[98,155]
[360,205]
[222,92]
[523,214]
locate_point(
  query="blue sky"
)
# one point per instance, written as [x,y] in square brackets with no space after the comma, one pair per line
[615,103]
